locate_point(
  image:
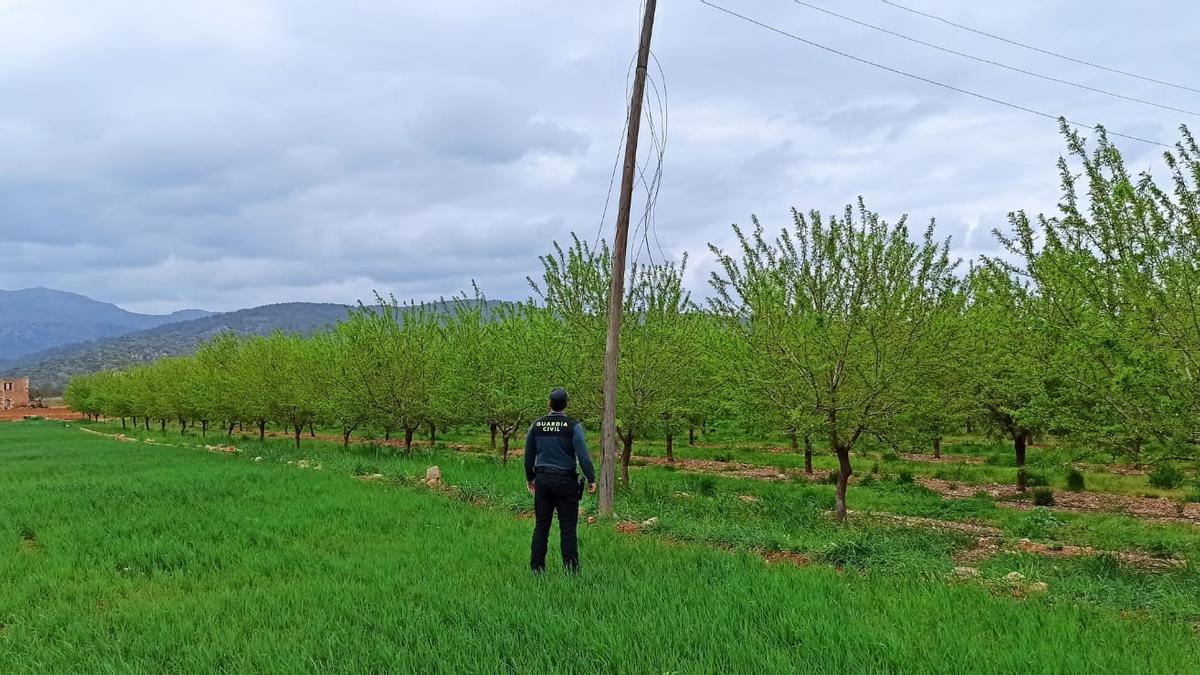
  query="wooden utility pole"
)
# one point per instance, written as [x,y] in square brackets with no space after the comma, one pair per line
[616,291]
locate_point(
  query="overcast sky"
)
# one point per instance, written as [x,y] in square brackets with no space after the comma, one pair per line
[232,153]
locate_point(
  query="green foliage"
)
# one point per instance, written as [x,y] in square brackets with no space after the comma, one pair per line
[1166,476]
[834,316]
[701,484]
[1075,480]
[1034,479]
[1039,523]
[1043,496]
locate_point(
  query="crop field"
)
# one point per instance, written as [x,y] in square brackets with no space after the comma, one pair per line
[121,554]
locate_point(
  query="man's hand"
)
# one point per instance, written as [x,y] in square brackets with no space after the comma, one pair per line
[591,488]
[531,487]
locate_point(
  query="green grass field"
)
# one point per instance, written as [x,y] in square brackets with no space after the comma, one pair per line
[122,557]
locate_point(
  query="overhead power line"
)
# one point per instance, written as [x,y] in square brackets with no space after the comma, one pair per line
[998,64]
[936,83]
[1040,50]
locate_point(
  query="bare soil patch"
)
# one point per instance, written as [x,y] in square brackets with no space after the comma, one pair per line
[737,469]
[1149,508]
[1118,469]
[944,459]
[58,414]
[1131,558]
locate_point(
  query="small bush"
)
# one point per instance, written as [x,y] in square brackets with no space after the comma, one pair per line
[1043,497]
[905,477]
[875,468]
[847,553]
[1040,523]
[890,456]
[703,485]
[1075,482]
[724,457]
[1166,477]
[1036,479]
[1192,497]
[867,480]
[830,478]
[361,469]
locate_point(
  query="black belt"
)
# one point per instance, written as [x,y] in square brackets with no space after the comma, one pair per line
[555,470]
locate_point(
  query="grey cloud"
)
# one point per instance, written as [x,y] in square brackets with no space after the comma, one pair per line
[225,154]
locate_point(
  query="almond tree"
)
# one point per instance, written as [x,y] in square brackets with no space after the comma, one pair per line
[501,364]
[394,357]
[1008,358]
[1118,273]
[341,395]
[841,306]
[661,358]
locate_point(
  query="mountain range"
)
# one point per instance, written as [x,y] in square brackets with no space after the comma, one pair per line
[36,319]
[50,335]
[80,335]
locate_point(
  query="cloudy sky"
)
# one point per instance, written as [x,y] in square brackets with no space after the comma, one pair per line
[231,153]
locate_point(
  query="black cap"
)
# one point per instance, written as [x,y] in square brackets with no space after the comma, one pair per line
[558,398]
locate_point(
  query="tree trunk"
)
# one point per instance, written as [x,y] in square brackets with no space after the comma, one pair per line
[808,453]
[162,421]
[182,427]
[299,430]
[346,437]
[937,447]
[262,430]
[387,434]
[203,428]
[504,456]
[408,439]
[970,427]
[844,473]
[146,423]
[312,433]
[432,433]
[626,454]
[493,428]
[1020,440]
[670,447]
[231,426]
[123,423]
[692,436]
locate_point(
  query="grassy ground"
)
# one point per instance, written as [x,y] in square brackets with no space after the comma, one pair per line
[997,461]
[124,556]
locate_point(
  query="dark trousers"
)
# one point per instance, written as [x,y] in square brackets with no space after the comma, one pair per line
[555,492]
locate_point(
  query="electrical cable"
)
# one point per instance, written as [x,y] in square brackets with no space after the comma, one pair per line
[896,71]
[998,64]
[1040,50]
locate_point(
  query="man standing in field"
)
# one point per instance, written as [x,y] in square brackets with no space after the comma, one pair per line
[555,442]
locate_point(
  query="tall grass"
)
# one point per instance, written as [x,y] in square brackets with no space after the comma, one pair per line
[128,557]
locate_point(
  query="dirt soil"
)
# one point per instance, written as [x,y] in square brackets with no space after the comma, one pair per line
[1150,508]
[737,469]
[944,459]
[63,414]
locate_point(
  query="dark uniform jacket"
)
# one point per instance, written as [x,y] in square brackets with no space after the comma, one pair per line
[556,442]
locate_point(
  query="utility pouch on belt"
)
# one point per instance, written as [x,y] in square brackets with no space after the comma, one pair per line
[579,489]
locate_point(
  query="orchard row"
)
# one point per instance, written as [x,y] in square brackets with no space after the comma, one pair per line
[1086,328]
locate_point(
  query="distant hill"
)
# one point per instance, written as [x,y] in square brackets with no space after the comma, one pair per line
[49,370]
[36,319]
